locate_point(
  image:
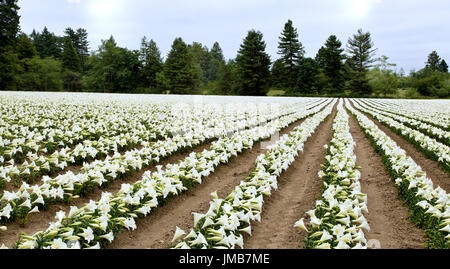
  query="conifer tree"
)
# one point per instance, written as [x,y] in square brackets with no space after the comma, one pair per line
[9,28]
[179,69]
[253,64]
[216,60]
[80,43]
[150,56]
[46,43]
[433,61]
[70,58]
[307,76]
[361,52]
[443,67]
[25,47]
[332,63]
[291,51]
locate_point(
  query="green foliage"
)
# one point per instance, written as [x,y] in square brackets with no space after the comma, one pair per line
[383,80]
[307,76]
[360,50]
[9,27]
[80,43]
[225,80]
[162,83]
[71,80]
[330,59]
[291,51]
[277,74]
[25,47]
[9,23]
[179,69]
[201,60]
[70,58]
[112,69]
[38,74]
[443,67]
[47,44]
[253,65]
[216,60]
[426,86]
[152,63]
[433,61]
[9,67]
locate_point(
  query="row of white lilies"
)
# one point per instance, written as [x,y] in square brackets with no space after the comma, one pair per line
[433,148]
[225,221]
[65,187]
[96,223]
[337,221]
[37,165]
[434,112]
[434,132]
[429,206]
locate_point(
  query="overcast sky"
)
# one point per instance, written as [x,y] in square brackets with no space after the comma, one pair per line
[404,30]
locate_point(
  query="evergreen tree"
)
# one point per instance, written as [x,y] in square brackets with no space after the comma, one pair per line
[9,23]
[216,61]
[253,63]
[307,76]
[443,67]
[360,49]
[179,69]
[225,79]
[40,75]
[9,28]
[276,74]
[291,51]
[71,66]
[47,44]
[70,59]
[433,61]
[321,57]
[201,60]
[113,69]
[332,63]
[151,60]
[25,47]
[80,43]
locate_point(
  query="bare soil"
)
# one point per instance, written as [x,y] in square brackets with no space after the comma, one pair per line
[298,189]
[388,216]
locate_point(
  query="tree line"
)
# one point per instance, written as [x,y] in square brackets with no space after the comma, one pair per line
[43,61]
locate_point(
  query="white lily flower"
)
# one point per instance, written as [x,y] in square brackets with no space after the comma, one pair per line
[300,224]
[178,233]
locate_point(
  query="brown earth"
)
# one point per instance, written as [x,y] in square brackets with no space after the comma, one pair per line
[388,216]
[156,230]
[432,168]
[298,189]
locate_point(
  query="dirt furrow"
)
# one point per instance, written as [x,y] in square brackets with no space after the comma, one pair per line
[298,189]
[388,216]
[432,168]
[156,230]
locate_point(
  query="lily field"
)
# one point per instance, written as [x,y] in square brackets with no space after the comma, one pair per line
[118,171]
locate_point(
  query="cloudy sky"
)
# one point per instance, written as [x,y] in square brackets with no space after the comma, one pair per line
[404,30]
